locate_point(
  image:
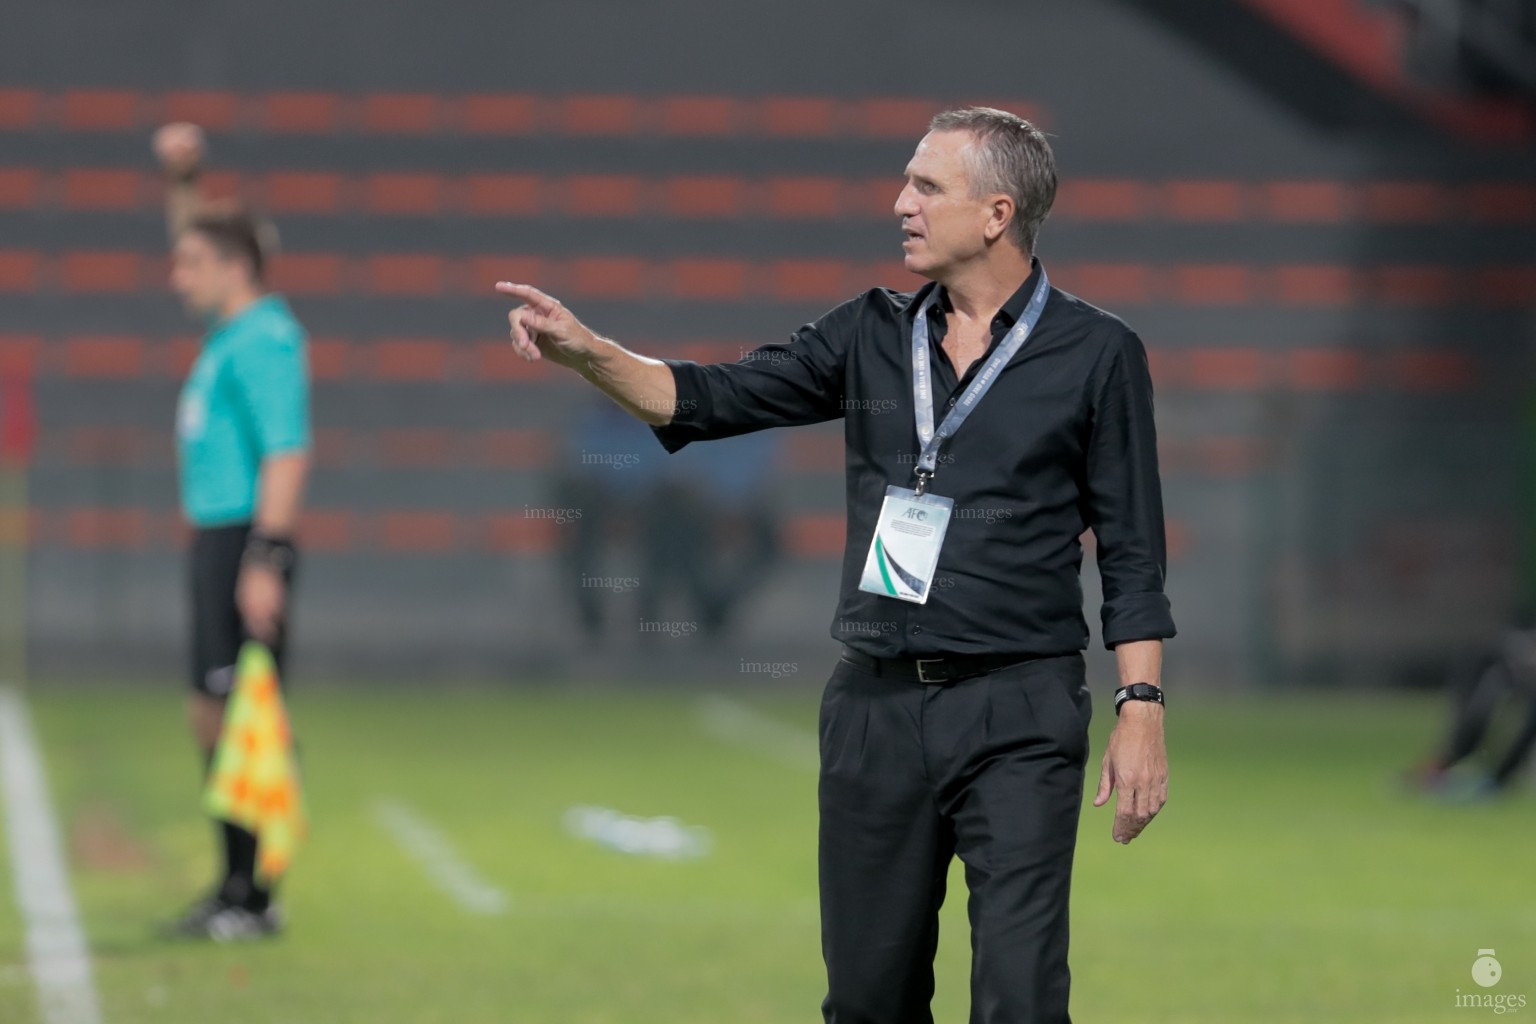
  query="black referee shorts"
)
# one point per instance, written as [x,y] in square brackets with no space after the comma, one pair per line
[217,629]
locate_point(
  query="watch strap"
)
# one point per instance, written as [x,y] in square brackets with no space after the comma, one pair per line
[1138,691]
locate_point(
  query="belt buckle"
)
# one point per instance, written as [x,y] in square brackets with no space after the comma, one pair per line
[922,674]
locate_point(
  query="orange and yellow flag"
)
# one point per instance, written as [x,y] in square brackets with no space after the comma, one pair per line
[255,777]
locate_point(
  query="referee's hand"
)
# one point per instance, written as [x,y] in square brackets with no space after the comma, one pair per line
[180,147]
[261,594]
[1135,764]
[542,328]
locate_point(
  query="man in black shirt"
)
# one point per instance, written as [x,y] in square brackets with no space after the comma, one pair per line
[956,721]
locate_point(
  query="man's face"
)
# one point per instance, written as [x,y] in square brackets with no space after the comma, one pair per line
[202,277]
[945,225]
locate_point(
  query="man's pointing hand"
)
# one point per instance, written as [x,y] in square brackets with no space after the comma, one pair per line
[543,328]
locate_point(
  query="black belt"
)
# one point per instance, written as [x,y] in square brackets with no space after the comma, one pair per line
[933,670]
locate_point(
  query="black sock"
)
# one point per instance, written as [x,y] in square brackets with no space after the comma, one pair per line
[240,869]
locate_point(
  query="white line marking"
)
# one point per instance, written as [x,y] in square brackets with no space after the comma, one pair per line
[444,866]
[734,722]
[56,947]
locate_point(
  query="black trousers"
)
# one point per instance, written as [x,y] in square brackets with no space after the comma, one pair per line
[989,769]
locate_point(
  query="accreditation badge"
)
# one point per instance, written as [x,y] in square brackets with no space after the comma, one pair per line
[905,549]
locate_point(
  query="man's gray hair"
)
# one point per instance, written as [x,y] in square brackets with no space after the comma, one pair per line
[1011,157]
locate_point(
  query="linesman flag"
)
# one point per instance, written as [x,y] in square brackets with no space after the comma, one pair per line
[255,777]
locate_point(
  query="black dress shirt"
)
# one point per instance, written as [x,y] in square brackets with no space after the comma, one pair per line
[1062,442]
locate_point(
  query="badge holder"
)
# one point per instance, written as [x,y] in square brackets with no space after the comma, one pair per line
[904,552]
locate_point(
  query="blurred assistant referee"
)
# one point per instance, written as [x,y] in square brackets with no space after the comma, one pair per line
[243,440]
[990,420]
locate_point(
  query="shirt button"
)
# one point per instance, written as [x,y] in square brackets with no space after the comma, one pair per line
[917,629]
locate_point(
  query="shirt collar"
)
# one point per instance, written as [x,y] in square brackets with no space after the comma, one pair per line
[1012,309]
[266,300]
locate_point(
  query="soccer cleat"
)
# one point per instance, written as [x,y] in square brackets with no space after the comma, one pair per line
[194,921]
[239,924]
[1473,789]
[217,919]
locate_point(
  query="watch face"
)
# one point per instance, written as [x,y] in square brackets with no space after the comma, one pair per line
[1486,971]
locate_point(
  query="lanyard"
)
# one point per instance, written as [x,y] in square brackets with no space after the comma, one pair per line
[922,384]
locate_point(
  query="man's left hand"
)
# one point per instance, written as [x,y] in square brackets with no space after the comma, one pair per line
[260,594]
[1136,764]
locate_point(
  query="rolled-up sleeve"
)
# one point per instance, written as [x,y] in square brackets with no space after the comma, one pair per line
[1125,501]
[780,385]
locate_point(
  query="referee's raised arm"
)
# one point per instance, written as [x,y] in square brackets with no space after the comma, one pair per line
[180,149]
[543,328]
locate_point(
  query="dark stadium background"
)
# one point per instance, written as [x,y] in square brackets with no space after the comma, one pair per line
[1330,259]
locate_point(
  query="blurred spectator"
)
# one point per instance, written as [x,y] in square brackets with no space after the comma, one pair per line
[1510,675]
[701,524]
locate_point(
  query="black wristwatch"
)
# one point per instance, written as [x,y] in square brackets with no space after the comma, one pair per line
[1137,691]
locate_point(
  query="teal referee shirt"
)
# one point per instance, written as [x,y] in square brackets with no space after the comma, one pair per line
[246,398]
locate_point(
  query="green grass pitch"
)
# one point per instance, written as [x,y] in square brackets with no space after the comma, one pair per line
[1287,880]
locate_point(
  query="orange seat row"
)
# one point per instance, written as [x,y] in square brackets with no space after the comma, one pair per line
[1238,368]
[727,279]
[507,450]
[528,531]
[724,196]
[334,447]
[514,532]
[430,275]
[318,112]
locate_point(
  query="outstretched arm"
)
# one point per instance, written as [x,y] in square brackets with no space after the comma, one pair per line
[791,384]
[543,328]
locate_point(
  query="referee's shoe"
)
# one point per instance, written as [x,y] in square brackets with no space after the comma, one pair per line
[220,919]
